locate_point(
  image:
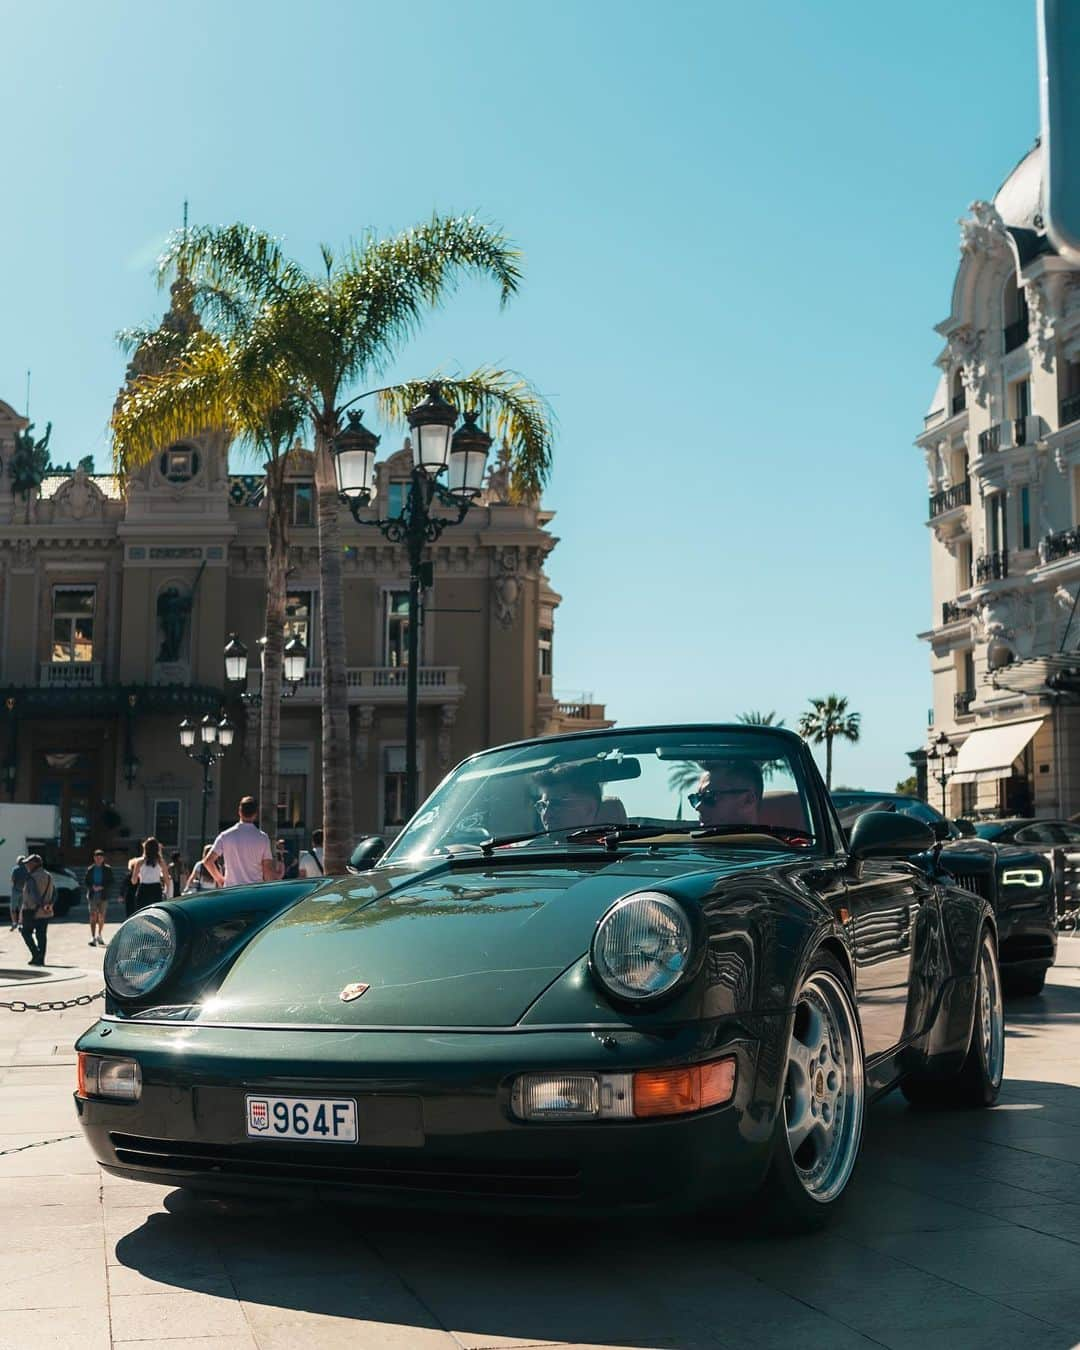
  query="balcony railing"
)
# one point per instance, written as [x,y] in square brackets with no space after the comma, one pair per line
[962,702]
[992,566]
[959,402]
[373,680]
[951,612]
[950,498]
[70,675]
[1016,333]
[990,439]
[1061,545]
[1069,409]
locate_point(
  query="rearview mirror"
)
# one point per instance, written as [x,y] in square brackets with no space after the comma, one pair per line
[888,834]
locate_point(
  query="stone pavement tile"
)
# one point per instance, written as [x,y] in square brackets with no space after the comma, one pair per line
[1032,1260]
[119,1193]
[63,1278]
[1007,1333]
[147,1317]
[880,1206]
[58,1329]
[50,1190]
[239,1342]
[70,1156]
[1058,1220]
[948,1183]
[167,1278]
[1061,1307]
[325,1333]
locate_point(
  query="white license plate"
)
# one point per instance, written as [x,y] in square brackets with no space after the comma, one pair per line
[314,1120]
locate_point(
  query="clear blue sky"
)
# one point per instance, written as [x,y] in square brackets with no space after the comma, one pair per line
[739,224]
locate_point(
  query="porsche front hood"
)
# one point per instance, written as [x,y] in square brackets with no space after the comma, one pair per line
[446,947]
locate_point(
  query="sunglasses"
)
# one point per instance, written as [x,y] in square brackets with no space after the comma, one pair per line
[711,796]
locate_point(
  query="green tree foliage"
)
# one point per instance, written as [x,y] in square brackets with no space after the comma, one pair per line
[825,720]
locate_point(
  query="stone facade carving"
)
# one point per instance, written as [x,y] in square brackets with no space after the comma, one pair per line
[508,587]
[363,719]
[447,718]
[1041,336]
[967,350]
[79,498]
[983,231]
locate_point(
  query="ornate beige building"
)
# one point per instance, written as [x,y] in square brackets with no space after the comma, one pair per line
[1002,446]
[116,607]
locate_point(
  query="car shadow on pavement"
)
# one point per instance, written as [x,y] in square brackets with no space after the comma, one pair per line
[958,1227]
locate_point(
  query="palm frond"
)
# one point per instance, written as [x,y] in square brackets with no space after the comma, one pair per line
[512,410]
[385,286]
[234,257]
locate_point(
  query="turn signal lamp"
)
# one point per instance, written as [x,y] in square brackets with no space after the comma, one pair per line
[623,1096]
[117,1079]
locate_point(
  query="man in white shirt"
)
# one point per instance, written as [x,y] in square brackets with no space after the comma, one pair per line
[244,850]
[311,859]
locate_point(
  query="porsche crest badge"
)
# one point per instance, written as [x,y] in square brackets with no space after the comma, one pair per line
[352,991]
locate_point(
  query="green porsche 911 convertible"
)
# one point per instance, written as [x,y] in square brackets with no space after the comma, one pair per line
[639,970]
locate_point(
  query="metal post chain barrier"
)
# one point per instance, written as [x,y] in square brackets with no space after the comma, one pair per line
[20,1005]
[21,1148]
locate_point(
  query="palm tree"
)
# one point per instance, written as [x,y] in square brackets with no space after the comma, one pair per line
[759,719]
[319,335]
[824,720]
[152,412]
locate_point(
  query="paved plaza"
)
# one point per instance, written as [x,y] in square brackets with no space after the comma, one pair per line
[961,1229]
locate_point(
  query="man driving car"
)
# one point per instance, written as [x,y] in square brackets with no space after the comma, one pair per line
[572,797]
[729,793]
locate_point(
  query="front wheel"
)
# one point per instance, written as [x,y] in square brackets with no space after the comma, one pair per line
[820,1124]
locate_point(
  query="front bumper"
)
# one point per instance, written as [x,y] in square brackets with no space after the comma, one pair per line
[435,1122]
[1027,935]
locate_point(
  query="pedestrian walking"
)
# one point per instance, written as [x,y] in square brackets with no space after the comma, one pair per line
[311,859]
[200,879]
[244,850]
[98,883]
[129,887]
[149,875]
[37,908]
[19,875]
[177,872]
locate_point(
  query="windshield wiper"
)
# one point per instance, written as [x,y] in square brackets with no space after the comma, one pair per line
[575,835]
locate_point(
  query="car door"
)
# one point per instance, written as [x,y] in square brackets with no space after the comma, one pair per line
[883,902]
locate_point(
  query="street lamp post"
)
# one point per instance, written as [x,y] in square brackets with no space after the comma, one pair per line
[205,744]
[437,448]
[294,668]
[944,752]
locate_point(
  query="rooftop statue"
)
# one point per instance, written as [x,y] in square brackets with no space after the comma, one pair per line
[29,460]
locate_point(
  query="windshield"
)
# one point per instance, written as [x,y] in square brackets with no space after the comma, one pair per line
[906,806]
[742,783]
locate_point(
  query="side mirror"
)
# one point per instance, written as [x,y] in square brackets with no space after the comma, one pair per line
[942,830]
[888,834]
[367,853]
[964,829]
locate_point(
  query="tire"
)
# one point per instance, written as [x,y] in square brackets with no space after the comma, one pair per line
[1023,986]
[979,1080]
[820,1122]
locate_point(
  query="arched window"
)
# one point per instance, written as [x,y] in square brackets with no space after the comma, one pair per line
[1015,315]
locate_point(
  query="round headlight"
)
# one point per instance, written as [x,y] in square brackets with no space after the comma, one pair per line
[140,955]
[642,946]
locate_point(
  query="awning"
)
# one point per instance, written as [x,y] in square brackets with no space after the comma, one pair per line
[989,753]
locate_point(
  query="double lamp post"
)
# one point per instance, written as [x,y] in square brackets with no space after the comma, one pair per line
[437,449]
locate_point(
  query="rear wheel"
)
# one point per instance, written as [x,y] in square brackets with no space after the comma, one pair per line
[979,1080]
[819,1129]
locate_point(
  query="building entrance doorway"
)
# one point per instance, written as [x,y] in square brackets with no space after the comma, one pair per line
[68,776]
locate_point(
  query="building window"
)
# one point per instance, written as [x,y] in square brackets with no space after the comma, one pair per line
[1025,517]
[302,503]
[179,464]
[396,629]
[963,567]
[167,822]
[544,636]
[968,793]
[73,623]
[393,786]
[397,493]
[300,619]
[1021,398]
[292,801]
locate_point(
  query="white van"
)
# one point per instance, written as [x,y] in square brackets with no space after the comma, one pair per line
[33,829]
